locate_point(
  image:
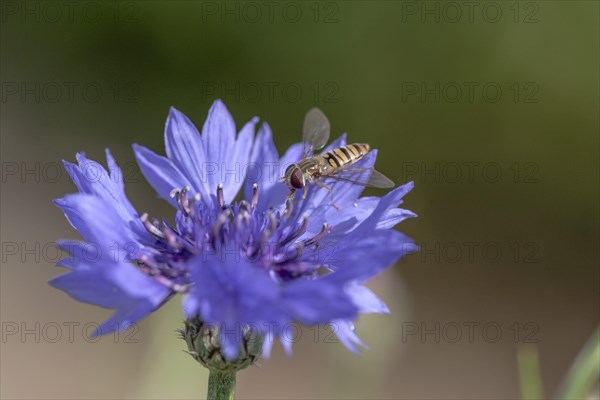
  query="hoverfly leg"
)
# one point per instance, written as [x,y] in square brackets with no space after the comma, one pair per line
[290,196]
[305,192]
[324,186]
[330,190]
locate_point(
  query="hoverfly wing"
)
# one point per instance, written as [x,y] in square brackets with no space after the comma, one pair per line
[368,177]
[379,180]
[315,132]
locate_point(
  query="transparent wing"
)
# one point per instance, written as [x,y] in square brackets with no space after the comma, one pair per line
[315,132]
[369,177]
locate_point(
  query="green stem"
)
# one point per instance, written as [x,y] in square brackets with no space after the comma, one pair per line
[221,385]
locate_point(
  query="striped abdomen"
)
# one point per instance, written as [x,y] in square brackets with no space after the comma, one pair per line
[346,155]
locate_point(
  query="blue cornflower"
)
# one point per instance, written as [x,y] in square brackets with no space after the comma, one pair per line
[257,264]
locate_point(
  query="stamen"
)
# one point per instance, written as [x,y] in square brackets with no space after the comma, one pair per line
[170,284]
[223,217]
[244,205]
[270,228]
[220,196]
[149,263]
[171,237]
[296,234]
[290,254]
[150,227]
[289,207]
[251,251]
[192,208]
[184,201]
[326,229]
[254,195]
[272,221]
[242,217]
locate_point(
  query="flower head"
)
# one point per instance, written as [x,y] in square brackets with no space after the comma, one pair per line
[252,265]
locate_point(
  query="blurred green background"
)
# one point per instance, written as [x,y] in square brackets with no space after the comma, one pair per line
[490,107]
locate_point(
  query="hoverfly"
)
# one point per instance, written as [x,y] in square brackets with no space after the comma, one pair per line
[335,164]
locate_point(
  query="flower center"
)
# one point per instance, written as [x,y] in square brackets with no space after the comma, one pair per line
[270,239]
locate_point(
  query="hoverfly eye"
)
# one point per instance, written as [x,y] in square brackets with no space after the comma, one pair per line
[296,179]
[287,170]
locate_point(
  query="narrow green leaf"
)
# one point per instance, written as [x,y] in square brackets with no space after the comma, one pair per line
[584,372]
[529,373]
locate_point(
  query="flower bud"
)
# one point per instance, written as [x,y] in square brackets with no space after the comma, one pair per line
[204,345]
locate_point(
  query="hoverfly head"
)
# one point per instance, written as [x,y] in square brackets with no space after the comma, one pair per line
[294,177]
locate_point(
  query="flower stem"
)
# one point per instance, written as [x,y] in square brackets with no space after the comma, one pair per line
[221,385]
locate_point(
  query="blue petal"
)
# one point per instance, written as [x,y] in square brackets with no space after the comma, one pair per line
[231,292]
[231,295]
[111,284]
[344,330]
[268,342]
[185,149]
[91,178]
[230,338]
[237,293]
[382,248]
[80,254]
[218,138]
[116,175]
[263,168]
[387,203]
[234,168]
[125,317]
[90,286]
[394,216]
[343,220]
[274,196]
[366,301]
[161,173]
[348,218]
[287,339]
[317,301]
[98,223]
[191,306]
